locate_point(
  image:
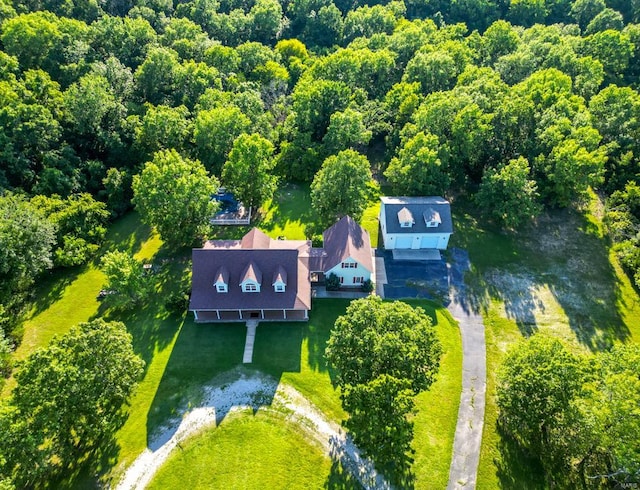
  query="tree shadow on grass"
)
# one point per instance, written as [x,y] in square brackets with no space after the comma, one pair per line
[564,255]
[127,234]
[291,202]
[515,469]
[317,333]
[51,286]
[208,354]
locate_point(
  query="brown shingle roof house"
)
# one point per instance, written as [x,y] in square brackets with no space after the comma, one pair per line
[260,278]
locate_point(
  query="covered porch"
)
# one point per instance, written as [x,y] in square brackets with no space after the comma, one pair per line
[225,316]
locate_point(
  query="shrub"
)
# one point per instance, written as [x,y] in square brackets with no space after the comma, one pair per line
[332,283]
[367,286]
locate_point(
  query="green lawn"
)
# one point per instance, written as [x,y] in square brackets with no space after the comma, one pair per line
[181,356]
[293,354]
[435,422]
[558,277]
[68,297]
[247,451]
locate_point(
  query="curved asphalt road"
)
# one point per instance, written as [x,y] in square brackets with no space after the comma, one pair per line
[468,437]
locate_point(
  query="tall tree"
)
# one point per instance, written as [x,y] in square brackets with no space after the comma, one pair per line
[418,170]
[248,171]
[509,195]
[127,282]
[67,402]
[173,194]
[383,354]
[341,187]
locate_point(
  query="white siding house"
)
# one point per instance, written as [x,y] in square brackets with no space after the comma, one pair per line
[415,223]
[350,272]
[347,253]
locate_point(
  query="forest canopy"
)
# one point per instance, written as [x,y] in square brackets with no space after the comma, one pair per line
[485,99]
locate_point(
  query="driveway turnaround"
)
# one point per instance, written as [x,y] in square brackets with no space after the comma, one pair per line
[468,437]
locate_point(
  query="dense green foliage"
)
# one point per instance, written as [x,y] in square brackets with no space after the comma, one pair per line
[173,194]
[383,355]
[67,403]
[523,104]
[341,187]
[576,414]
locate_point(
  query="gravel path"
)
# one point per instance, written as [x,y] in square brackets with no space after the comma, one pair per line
[247,392]
[468,437]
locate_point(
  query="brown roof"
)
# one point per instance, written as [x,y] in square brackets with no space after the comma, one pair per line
[251,273]
[345,239]
[256,239]
[287,258]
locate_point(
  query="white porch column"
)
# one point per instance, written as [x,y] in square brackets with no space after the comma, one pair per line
[240,311]
[285,314]
[218,313]
[306,314]
[195,313]
[262,314]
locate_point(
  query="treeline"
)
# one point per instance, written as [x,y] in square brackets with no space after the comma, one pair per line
[520,104]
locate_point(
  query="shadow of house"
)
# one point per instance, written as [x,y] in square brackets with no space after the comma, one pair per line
[212,355]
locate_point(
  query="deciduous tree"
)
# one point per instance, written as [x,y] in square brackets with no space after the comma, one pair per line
[248,171]
[173,194]
[67,402]
[341,187]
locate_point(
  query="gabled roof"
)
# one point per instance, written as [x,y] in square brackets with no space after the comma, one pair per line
[405,216]
[418,207]
[222,276]
[280,276]
[251,273]
[431,214]
[256,239]
[346,239]
[237,260]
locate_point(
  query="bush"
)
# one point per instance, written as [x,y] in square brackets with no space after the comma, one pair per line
[332,283]
[367,286]
[178,302]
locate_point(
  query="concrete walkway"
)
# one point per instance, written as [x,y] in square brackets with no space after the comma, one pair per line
[468,437]
[247,358]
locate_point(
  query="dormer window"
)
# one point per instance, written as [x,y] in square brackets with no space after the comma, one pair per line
[432,218]
[280,280]
[405,218]
[250,287]
[251,278]
[221,281]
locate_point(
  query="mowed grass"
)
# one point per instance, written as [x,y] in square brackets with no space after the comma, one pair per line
[246,452]
[435,421]
[292,353]
[65,298]
[559,277]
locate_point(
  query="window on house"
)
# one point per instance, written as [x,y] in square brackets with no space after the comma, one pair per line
[358,280]
[249,287]
[279,288]
[349,265]
[341,280]
[221,288]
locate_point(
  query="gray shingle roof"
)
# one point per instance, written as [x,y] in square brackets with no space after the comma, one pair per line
[419,208]
[345,239]
[255,256]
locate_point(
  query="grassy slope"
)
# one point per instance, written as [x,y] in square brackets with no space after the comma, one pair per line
[182,356]
[559,278]
[246,452]
[68,297]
